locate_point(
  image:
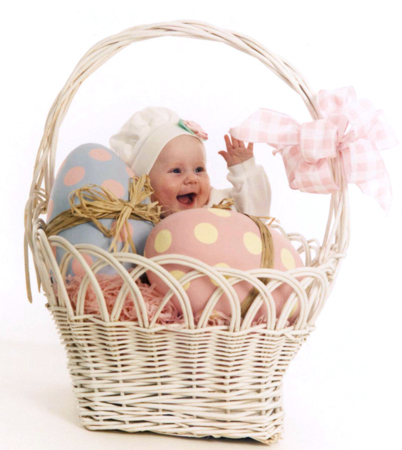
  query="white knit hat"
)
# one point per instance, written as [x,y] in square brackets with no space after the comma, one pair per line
[146,133]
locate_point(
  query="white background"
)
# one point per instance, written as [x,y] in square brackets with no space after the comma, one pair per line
[343,390]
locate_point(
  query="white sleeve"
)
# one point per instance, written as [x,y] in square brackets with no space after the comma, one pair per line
[251,189]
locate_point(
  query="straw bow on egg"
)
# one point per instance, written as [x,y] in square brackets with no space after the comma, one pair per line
[91,203]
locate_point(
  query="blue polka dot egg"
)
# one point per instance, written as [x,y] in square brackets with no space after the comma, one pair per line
[97,165]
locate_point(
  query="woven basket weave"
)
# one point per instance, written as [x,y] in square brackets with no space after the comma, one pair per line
[192,380]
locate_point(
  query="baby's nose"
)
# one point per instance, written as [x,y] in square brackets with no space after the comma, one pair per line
[191,178]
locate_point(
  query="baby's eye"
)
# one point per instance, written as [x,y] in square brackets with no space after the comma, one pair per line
[199,169]
[177,170]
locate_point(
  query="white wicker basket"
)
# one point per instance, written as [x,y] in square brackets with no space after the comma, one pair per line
[197,380]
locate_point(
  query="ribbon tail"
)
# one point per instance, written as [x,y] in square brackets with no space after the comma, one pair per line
[291,158]
[362,162]
[315,178]
[380,189]
[382,134]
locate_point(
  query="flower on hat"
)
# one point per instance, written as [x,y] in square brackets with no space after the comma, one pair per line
[193,128]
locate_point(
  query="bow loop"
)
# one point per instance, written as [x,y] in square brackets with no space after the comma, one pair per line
[351,130]
[332,102]
[361,116]
[282,131]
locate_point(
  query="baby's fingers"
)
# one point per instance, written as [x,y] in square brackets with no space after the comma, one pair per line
[236,143]
[241,144]
[225,155]
[250,146]
[228,142]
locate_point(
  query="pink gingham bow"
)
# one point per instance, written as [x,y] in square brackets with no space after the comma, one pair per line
[352,129]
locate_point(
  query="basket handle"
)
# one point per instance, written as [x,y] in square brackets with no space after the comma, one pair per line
[105,49]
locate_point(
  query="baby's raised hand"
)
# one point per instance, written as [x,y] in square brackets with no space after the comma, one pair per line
[236,152]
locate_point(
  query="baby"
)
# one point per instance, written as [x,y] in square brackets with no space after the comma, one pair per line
[155,141]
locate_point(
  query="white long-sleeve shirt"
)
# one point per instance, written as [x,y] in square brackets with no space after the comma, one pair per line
[251,190]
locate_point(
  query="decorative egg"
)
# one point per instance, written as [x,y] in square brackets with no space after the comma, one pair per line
[219,238]
[98,165]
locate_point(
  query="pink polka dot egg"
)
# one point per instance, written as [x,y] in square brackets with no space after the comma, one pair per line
[98,165]
[219,238]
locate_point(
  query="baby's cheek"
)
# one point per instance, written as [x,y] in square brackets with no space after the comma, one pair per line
[164,193]
[206,191]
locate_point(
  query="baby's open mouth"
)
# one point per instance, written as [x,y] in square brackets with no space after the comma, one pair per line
[186,199]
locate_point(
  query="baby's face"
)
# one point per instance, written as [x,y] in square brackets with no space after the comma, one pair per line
[179,177]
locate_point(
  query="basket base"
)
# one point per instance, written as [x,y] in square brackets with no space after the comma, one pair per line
[265,426]
[266,441]
[191,383]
